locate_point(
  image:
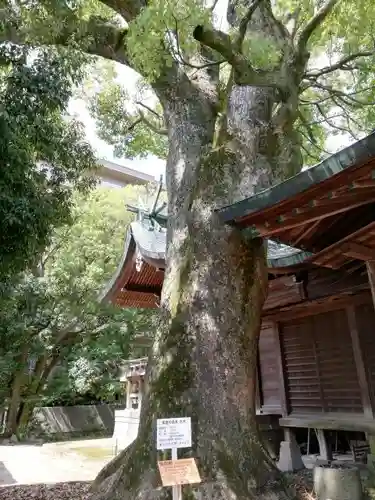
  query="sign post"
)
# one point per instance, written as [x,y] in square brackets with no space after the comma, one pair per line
[176,490]
[174,433]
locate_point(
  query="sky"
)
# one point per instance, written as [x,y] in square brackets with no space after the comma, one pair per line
[128,78]
[152,165]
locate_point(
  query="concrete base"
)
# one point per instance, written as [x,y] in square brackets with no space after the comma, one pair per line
[126,427]
[337,482]
[290,457]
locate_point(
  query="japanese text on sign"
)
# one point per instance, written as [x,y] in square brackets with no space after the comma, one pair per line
[176,472]
[173,433]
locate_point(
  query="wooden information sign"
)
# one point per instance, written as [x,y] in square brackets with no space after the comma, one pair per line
[177,472]
[173,433]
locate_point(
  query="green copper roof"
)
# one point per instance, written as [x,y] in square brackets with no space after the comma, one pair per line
[151,243]
[279,255]
[353,155]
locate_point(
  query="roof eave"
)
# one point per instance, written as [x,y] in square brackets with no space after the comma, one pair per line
[352,156]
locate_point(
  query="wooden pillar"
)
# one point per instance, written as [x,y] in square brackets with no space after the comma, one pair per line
[370,265]
[128,391]
[282,386]
[324,446]
[359,362]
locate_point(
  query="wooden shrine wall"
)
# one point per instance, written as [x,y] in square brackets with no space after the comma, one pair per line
[270,370]
[322,361]
[365,319]
[319,366]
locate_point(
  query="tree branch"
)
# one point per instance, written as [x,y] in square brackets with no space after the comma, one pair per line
[349,117]
[314,23]
[214,5]
[216,40]
[134,124]
[324,120]
[346,97]
[244,73]
[142,119]
[159,117]
[340,64]
[178,53]
[295,16]
[313,142]
[337,127]
[244,23]
[314,157]
[152,126]
[128,9]
[97,37]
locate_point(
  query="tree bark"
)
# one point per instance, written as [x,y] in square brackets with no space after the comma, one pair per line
[43,369]
[16,394]
[203,362]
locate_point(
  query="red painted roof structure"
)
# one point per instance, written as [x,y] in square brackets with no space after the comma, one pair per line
[324,216]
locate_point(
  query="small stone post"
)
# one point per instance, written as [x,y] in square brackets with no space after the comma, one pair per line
[337,482]
[290,458]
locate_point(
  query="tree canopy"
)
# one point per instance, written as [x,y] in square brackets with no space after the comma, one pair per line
[53,316]
[335,94]
[44,155]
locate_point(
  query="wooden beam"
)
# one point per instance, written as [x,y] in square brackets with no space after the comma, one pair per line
[346,196]
[324,304]
[316,213]
[306,232]
[348,422]
[282,386]
[370,265]
[359,362]
[364,183]
[344,178]
[358,251]
[326,259]
[351,237]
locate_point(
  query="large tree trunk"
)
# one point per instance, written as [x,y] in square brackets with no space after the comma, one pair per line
[16,394]
[42,371]
[203,362]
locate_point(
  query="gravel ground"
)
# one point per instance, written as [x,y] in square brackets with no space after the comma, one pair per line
[60,491]
[80,490]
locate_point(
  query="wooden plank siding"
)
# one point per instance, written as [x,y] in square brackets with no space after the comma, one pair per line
[269,371]
[282,291]
[365,317]
[359,361]
[320,365]
[317,353]
[301,370]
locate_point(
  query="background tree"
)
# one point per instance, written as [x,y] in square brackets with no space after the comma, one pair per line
[230,133]
[90,372]
[53,315]
[43,154]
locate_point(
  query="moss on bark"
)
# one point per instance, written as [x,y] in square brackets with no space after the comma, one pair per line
[203,366]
